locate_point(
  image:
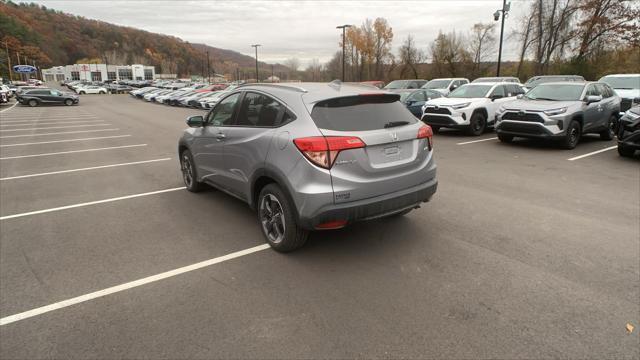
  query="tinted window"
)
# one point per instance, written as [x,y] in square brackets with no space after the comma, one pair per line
[592,90]
[361,113]
[222,114]
[259,110]
[498,91]
[604,91]
[620,82]
[432,94]
[418,96]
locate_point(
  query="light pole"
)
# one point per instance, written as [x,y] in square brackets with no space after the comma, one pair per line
[343,27]
[496,17]
[208,69]
[256,46]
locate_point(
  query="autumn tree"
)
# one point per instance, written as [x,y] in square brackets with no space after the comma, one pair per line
[448,54]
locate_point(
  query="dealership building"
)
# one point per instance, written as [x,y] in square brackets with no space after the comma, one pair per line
[99,72]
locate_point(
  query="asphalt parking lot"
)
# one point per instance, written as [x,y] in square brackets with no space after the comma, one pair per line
[526,251]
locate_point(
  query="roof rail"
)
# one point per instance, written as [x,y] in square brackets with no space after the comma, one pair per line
[279,86]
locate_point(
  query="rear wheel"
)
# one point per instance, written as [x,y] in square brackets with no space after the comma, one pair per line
[477,124]
[189,173]
[625,151]
[33,103]
[82,93]
[278,220]
[435,129]
[572,136]
[68,102]
[609,133]
[505,138]
[102,92]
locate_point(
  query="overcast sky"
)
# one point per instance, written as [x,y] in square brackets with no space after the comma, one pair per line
[302,29]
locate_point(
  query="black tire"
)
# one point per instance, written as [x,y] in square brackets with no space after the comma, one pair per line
[611,128]
[435,128]
[572,135]
[189,172]
[505,138]
[625,151]
[82,93]
[278,220]
[33,103]
[477,124]
[101,92]
[68,102]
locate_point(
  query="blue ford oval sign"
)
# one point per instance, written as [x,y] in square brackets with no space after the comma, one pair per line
[24,68]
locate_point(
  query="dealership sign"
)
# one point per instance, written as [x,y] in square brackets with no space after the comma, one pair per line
[24,69]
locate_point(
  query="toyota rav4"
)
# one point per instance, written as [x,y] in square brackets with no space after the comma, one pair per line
[311,156]
[562,111]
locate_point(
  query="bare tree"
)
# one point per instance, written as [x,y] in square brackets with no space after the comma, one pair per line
[410,56]
[481,44]
[448,54]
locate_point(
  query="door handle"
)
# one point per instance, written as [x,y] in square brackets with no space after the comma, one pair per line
[220,136]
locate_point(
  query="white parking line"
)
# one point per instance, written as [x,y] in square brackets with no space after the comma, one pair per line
[32,120]
[593,153]
[83,169]
[475,141]
[57,133]
[129,285]
[63,141]
[31,213]
[23,123]
[70,152]
[52,127]
[12,106]
[44,116]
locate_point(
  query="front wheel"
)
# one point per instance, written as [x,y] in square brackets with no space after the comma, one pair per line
[477,124]
[33,103]
[189,173]
[68,102]
[625,151]
[102,93]
[278,221]
[572,136]
[609,133]
[82,93]
[505,138]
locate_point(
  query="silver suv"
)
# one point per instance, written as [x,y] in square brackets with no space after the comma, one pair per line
[560,111]
[314,156]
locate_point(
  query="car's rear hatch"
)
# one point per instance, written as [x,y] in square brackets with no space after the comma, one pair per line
[393,157]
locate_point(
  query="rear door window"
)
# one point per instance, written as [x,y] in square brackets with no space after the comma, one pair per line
[361,113]
[258,110]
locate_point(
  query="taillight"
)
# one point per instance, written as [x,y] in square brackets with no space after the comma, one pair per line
[323,150]
[425,132]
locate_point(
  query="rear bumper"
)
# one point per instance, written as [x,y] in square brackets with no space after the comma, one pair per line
[372,208]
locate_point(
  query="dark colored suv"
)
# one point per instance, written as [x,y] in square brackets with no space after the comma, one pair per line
[46,96]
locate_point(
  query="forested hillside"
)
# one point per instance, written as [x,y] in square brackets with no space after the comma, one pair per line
[49,37]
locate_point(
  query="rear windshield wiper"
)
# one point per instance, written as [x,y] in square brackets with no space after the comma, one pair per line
[543,99]
[395,123]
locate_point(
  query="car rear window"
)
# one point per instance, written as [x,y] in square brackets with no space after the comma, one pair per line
[361,113]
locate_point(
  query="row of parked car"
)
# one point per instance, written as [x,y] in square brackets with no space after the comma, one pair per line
[561,108]
[201,96]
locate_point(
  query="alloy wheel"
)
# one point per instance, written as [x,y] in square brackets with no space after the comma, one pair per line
[272,218]
[187,170]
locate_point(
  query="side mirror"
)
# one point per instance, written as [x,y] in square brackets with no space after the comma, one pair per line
[453,87]
[195,121]
[495,97]
[520,96]
[592,99]
[410,103]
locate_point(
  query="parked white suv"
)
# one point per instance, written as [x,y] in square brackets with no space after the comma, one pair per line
[471,107]
[445,85]
[91,89]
